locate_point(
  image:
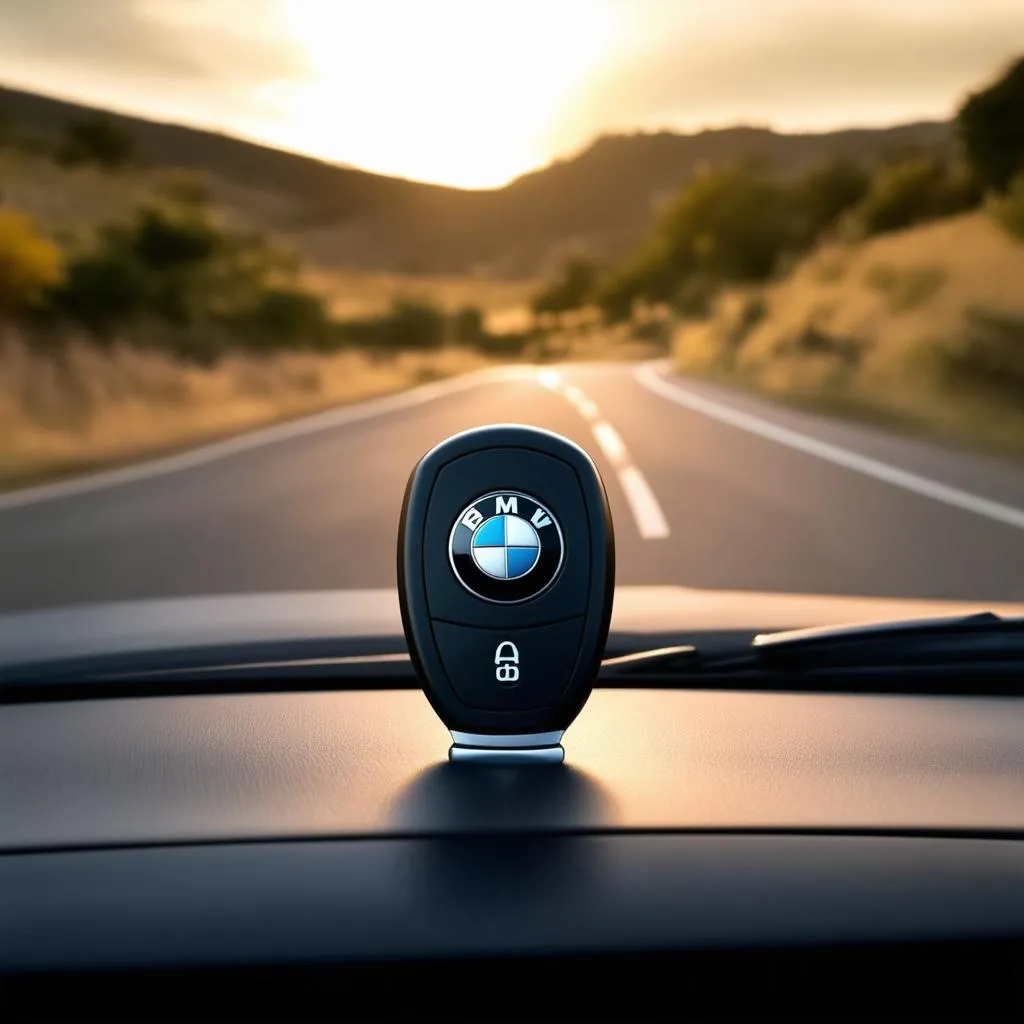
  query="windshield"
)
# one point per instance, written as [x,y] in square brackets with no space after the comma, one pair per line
[764,261]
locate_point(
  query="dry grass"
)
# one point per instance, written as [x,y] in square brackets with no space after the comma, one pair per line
[362,293]
[853,329]
[91,407]
[595,343]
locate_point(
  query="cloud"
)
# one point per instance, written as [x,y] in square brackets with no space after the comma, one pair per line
[172,40]
[795,65]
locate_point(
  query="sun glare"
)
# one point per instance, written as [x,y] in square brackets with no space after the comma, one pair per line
[461,92]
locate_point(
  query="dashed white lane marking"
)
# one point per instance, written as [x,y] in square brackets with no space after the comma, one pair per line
[611,444]
[650,521]
[584,405]
[651,379]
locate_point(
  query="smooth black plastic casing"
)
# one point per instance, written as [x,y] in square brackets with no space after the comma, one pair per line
[562,476]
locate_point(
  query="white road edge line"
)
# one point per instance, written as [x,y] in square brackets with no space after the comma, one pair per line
[650,520]
[262,436]
[650,378]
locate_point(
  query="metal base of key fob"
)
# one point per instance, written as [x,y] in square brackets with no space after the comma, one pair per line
[528,748]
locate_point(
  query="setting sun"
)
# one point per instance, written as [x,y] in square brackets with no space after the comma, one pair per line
[453,91]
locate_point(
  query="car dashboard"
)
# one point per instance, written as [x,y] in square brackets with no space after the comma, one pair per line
[314,854]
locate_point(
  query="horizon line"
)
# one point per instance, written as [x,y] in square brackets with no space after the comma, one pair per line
[706,129]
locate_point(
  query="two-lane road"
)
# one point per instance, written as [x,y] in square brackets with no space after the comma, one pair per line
[708,489]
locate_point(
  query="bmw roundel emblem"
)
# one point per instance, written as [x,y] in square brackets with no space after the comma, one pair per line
[506,547]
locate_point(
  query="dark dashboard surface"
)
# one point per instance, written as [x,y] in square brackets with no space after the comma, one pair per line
[303,765]
[300,832]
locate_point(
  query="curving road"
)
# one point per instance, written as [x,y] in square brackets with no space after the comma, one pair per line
[708,489]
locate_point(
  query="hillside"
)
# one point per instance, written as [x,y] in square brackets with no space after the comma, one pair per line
[922,328]
[600,199]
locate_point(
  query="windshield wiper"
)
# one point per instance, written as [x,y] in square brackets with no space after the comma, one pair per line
[984,637]
[972,654]
[979,654]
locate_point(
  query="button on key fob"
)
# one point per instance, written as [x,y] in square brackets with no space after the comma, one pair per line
[506,571]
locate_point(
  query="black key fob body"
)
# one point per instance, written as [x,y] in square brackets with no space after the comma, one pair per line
[506,571]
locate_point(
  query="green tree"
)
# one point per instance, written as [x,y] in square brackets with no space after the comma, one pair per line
[826,192]
[570,290]
[468,326]
[913,192]
[615,295]
[730,224]
[414,324]
[694,298]
[103,287]
[283,317]
[991,128]
[29,263]
[96,138]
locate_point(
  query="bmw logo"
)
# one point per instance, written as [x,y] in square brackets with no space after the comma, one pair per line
[506,547]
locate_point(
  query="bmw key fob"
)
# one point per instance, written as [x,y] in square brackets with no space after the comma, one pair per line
[506,567]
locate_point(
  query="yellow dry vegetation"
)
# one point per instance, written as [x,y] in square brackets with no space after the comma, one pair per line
[29,263]
[87,406]
[352,294]
[855,328]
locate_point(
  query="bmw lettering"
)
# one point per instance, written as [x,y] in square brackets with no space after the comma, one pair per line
[506,547]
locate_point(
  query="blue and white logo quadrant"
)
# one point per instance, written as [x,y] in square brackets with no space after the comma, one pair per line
[505,547]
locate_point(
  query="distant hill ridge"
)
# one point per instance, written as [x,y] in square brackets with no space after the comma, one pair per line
[600,199]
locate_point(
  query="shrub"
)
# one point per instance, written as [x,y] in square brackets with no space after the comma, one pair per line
[506,345]
[102,289]
[468,326]
[283,317]
[987,354]
[169,238]
[991,129]
[570,290]
[1008,210]
[173,265]
[615,295]
[657,331]
[29,263]
[96,138]
[694,298]
[752,312]
[827,192]
[905,289]
[159,264]
[413,323]
[913,192]
[730,224]
[813,340]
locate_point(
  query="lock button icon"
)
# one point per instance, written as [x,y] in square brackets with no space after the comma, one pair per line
[506,662]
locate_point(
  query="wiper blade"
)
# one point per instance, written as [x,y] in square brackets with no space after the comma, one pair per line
[984,637]
[976,655]
[374,671]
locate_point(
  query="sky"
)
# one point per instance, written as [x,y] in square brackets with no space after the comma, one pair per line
[476,92]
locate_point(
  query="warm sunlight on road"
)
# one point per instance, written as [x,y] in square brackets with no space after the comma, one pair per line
[455,91]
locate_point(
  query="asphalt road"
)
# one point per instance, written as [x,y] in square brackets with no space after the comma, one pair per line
[708,489]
